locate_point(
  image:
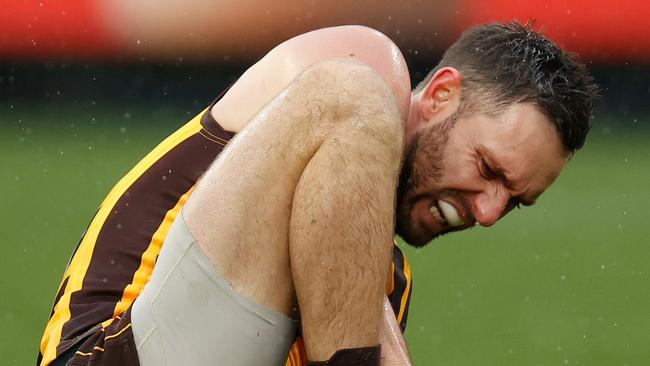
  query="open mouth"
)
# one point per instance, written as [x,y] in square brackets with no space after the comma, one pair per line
[445,213]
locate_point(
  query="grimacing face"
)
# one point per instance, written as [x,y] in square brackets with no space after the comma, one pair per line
[475,169]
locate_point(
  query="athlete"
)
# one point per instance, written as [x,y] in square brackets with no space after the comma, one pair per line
[278,242]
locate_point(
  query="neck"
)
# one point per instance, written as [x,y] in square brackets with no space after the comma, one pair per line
[412,119]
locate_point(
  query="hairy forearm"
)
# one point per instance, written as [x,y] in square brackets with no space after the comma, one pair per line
[393,347]
[342,220]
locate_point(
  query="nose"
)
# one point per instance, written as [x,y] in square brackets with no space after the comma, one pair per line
[489,207]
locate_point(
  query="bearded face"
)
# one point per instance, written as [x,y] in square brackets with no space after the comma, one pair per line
[422,211]
[474,169]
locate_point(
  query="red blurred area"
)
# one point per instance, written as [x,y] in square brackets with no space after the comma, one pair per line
[604,31]
[51,28]
[601,31]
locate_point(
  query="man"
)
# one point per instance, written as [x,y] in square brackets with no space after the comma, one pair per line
[291,227]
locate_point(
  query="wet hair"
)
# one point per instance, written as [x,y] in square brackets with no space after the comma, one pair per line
[505,63]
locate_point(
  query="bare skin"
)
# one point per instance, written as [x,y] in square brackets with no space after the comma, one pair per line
[277,70]
[311,205]
[308,219]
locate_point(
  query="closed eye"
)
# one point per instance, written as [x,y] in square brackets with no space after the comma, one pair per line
[486,171]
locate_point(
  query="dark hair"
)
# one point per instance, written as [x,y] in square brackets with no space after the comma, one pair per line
[501,64]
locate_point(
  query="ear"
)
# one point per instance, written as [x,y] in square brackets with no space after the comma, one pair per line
[441,97]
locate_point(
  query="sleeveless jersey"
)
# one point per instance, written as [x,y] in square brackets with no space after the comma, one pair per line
[116,255]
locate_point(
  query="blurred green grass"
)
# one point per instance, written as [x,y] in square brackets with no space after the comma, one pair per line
[562,283]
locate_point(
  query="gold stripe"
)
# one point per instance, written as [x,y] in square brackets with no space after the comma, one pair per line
[405,295]
[118,333]
[106,323]
[81,260]
[210,137]
[215,136]
[98,348]
[83,354]
[143,273]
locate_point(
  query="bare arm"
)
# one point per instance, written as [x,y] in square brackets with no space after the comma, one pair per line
[341,225]
[393,347]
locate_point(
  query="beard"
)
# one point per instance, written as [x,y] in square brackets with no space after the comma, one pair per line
[422,170]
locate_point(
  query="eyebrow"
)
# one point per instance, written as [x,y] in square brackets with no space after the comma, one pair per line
[498,171]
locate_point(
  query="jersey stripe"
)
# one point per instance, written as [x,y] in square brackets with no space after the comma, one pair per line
[407,291]
[79,264]
[143,273]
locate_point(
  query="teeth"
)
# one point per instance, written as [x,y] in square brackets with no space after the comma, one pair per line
[436,215]
[450,213]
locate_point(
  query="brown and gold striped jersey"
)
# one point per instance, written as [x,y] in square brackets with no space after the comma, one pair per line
[117,253]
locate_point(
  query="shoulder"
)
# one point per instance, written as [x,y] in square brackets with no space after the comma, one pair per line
[354,42]
[281,66]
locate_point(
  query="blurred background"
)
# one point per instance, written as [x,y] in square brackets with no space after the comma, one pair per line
[87,87]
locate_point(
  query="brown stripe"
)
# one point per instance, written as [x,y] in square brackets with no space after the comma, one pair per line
[113,345]
[60,293]
[127,231]
[402,324]
[400,283]
[211,126]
